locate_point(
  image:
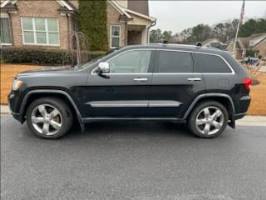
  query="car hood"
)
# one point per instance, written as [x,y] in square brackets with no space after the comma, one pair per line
[47,71]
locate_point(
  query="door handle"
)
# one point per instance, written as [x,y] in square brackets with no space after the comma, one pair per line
[140,79]
[194,79]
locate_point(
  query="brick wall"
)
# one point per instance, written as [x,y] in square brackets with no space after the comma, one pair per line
[39,9]
[113,19]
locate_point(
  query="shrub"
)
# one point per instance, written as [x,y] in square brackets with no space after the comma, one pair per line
[92,22]
[45,56]
[36,56]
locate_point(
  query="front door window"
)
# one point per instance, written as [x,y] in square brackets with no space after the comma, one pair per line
[136,61]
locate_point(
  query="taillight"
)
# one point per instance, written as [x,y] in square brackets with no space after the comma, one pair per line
[247,83]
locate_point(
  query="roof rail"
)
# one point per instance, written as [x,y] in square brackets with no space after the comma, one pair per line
[198,44]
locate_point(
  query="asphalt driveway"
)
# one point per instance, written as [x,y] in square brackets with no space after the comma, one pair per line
[133,161]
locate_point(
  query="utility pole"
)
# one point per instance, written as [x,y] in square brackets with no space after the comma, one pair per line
[238,26]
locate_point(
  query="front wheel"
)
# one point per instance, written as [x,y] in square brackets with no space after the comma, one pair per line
[208,119]
[49,118]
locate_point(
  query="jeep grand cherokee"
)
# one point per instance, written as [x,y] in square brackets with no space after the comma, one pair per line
[205,88]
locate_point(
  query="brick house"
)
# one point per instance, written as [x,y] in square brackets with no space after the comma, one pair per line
[51,24]
[255,42]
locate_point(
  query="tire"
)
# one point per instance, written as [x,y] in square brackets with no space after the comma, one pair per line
[49,118]
[215,120]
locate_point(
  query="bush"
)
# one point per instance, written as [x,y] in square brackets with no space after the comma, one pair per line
[92,20]
[44,56]
[36,56]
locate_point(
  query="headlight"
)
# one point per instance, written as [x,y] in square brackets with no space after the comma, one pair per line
[17,84]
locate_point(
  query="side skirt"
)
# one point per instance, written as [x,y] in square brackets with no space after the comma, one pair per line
[87,120]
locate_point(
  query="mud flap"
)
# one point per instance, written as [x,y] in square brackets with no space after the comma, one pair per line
[232,123]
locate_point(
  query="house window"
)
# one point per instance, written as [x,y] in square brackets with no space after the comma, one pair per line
[115,36]
[40,31]
[5,31]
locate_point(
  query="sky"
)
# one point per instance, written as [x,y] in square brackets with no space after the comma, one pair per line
[178,15]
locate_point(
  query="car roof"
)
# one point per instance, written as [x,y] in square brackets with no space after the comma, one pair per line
[181,47]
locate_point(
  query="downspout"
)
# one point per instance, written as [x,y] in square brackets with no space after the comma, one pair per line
[71,34]
[148,30]
[69,30]
[126,33]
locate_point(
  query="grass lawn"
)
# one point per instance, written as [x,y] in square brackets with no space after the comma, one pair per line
[258,97]
[8,72]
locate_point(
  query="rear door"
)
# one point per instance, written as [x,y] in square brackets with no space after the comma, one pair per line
[174,84]
[217,72]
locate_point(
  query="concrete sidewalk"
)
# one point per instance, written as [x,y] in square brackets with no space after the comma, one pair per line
[246,121]
[4,109]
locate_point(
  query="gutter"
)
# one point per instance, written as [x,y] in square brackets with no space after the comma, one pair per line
[148,30]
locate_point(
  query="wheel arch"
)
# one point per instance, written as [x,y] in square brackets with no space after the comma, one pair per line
[224,99]
[36,94]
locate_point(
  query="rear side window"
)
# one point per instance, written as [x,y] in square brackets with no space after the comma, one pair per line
[175,62]
[210,64]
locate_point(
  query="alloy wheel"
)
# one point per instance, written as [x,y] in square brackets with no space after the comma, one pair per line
[210,120]
[46,119]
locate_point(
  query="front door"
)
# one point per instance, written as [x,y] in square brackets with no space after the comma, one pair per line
[124,91]
[174,84]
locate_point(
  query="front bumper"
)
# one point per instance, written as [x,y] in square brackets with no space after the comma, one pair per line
[14,106]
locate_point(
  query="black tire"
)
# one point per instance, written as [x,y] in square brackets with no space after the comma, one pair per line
[65,114]
[192,119]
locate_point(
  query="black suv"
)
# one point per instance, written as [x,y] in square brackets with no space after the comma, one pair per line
[206,88]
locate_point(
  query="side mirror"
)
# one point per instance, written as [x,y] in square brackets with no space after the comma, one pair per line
[103,68]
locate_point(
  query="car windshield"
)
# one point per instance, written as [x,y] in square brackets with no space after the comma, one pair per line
[93,61]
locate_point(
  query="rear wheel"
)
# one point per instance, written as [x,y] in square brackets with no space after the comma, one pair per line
[208,119]
[49,118]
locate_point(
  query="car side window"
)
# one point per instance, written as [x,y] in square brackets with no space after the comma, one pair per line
[135,61]
[210,64]
[175,62]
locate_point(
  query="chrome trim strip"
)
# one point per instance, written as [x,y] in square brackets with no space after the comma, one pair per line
[177,50]
[117,104]
[167,104]
[133,104]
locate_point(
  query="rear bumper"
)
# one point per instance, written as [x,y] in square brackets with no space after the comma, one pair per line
[242,107]
[239,116]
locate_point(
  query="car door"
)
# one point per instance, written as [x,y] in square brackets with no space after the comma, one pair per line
[124,91]
[174,84]
[217,72]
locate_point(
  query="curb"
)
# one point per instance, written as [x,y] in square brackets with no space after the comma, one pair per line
[4,109]
[246,121]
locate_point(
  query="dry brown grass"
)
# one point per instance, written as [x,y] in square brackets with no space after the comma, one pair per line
[258,92]
[258,97]
[8,72]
